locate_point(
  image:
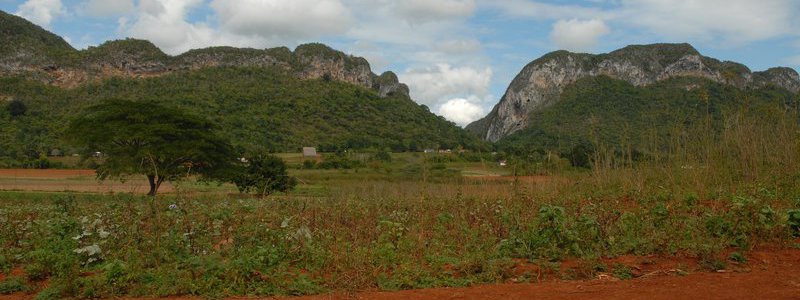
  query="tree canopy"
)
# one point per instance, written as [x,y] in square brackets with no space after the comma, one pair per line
[160,142]
[263,174]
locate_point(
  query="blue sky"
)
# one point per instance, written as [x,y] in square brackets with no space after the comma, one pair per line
[458,56]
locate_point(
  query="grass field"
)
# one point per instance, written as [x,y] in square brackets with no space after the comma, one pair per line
[414,222]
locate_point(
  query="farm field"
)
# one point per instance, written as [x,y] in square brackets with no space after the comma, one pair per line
[82,181]
[415,223]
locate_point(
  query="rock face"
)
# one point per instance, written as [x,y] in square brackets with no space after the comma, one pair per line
[541,82]
[29,50]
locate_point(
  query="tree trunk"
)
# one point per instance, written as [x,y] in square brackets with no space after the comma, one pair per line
[159,182]
[153,187]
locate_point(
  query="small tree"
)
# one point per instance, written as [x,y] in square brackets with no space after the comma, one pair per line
[581,155]
[263,174]
[17,108]
[382,155]
[162,143]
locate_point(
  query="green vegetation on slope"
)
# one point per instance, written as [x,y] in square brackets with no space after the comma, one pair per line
[124,50]
[605,112]
[21,40]
[257,108]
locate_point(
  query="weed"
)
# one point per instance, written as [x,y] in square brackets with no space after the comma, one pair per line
[738,258]
[622,271]
[794,221]
[12,285]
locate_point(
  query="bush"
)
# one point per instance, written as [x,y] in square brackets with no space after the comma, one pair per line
[309,164]
[340,161]
[383,156]
[794,221]
[17,108]
[264,174]
[11,285]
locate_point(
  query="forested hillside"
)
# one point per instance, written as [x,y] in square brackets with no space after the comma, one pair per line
[257,108]
[614,114]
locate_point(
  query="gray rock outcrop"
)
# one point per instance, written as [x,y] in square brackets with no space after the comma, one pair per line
[541,82]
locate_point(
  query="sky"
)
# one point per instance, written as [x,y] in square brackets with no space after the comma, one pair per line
[457,56]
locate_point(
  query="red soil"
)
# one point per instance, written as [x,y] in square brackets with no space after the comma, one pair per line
[769,274]
[49,173]
[52,180]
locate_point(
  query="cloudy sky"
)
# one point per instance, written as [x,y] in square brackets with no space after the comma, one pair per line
[458,56]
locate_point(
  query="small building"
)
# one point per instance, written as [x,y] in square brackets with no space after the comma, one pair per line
[56,152]
[430,151]
[503,163]
[309,152]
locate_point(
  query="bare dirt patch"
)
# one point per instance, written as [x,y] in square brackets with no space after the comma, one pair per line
[48,173]
[52,180]
[771,274]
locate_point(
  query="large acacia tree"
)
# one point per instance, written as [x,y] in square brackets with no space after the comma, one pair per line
[146,138]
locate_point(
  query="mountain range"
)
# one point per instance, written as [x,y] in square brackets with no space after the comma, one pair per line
[280,100]
[263,99]
[542,82]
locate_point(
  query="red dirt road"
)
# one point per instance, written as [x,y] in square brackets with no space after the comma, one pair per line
[773,274]
[770,274]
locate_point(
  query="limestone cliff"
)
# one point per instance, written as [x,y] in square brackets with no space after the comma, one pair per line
[28,50]
[541,82]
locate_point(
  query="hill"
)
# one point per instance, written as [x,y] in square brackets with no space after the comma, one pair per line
[22,44]
[32,52]
[257,108]
[542,83]
[604,112]
[274,99]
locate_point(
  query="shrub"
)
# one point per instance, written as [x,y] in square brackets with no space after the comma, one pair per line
[17,108]
[794,221]
[264,174]
[11,285]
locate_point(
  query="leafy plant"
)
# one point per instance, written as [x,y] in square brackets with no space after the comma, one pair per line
[794,221]
[263,174]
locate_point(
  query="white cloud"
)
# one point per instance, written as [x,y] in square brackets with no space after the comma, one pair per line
[41,12]
[294,19]
[736,21]
[728,21]
[458,46]
[436,84]
[457,93]
[245,23]
[461,111]
[421,11]
[538,10]
[163,22]
[577,35]
[106,8]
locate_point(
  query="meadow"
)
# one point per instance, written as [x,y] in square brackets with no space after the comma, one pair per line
[417,221]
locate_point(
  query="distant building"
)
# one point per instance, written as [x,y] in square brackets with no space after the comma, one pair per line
[503,163]
[309,152]
[430,151]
